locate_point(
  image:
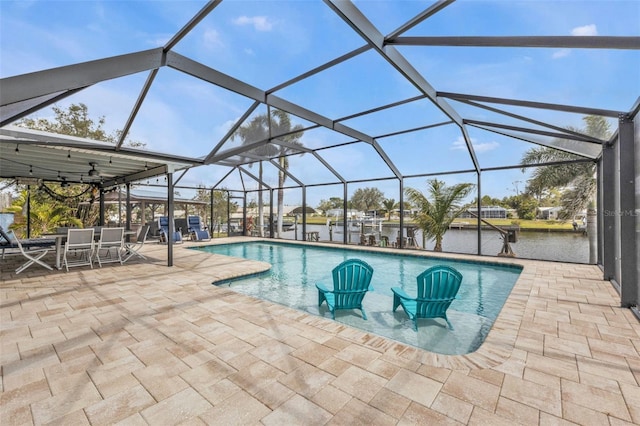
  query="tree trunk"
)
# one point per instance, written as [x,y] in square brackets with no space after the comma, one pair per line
[438,246]
[592,235]
[281,177]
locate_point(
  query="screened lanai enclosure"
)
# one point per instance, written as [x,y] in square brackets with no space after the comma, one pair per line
[273,105]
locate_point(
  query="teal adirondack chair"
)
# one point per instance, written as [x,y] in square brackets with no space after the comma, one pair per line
[351,281]
[437,288]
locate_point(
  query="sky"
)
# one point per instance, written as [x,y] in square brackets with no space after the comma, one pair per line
[266,43]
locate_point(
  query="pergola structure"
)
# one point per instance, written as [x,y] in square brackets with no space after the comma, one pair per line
[330,137]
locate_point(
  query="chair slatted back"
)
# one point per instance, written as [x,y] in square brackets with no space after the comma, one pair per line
[194,223]
[111,237]
[80,238]
[351,280]
[437,289]
[163,223]
[142,234]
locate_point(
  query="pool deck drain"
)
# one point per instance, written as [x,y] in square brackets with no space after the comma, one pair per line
[147,344]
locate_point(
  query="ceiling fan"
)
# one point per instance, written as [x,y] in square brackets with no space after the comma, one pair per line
[93,171]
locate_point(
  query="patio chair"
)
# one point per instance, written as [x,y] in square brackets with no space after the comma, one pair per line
[351,280]
[163,224]
[110,246]
[437,288]
[196,230]
[133,249]
[37,248]
[78,250]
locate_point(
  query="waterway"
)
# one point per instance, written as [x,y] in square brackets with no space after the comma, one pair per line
[556,246]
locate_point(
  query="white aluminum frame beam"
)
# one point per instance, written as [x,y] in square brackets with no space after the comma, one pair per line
[191,24]
[70,77]
[572,42]
[532,121]
[29,106]
[286,172]
[254,177]
[536,132]
[136,107]
[210,75]
[356,20]
[432,10]
[530,104]
[594,152]
[232,130]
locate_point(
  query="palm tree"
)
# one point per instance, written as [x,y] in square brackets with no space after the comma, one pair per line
[436,214]
[389,204]
[281,125]
[255,130]
[261,128]
[578,178]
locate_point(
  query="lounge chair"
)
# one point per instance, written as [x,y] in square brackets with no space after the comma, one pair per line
[196,230]
[37,248]
[351,280]
[133,249]
[110,245]
[437,288]
[163,224]
[78,250]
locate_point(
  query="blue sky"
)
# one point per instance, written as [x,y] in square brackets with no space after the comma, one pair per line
[268,42]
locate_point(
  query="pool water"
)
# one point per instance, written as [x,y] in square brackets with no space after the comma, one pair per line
[297,268]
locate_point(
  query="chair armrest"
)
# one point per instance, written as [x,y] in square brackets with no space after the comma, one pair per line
[322,288]
[401,293]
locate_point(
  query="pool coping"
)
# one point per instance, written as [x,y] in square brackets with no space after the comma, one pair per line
[497,347]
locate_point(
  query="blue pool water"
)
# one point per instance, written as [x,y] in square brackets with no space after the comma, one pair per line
[296,268]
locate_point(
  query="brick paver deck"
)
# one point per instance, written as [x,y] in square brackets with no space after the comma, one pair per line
[146,344]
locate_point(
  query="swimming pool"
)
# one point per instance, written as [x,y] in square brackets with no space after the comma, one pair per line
[296,268]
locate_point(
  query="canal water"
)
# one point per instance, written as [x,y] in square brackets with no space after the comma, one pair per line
[556,246]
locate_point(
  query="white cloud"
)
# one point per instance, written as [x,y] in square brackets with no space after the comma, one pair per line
[157,40]
[485,146]
[211,38]
[585,30]
[478,147]
[561,53]
[260,23]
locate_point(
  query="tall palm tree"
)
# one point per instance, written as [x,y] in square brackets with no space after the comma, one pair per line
[436,214]
[281,125]
[255,130]
[277,126]
[579,179]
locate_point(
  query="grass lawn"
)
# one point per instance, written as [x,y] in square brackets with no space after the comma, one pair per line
[524,224]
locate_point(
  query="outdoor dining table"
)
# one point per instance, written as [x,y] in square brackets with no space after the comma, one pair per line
[62,237]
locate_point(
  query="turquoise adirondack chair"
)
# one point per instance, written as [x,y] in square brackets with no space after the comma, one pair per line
[437,288]
[351,281]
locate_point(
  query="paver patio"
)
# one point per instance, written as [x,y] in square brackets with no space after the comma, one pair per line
[142,343]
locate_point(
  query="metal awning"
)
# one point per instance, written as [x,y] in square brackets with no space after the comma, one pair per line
[30,155]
